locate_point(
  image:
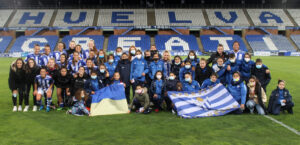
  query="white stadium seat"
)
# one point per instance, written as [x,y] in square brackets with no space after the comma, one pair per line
[227,17]
[269,17]
[4,15]
[31,18]
[74,17]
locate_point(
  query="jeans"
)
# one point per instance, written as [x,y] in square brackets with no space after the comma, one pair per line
[251,105]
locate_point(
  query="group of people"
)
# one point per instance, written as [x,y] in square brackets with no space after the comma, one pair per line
[77,74]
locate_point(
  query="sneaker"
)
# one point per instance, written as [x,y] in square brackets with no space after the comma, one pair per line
[41,107]
[20,108]
[47,109]
[34,108]
[59,109]
[15,109]
[26,108]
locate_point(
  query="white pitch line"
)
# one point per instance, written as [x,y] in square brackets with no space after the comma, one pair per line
[282,124]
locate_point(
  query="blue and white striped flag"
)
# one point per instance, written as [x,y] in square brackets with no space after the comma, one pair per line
[215,101]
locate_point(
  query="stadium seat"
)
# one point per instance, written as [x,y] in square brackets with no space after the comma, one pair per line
[272,43]
[31,18]
[84,39]
[141,42]
[74,17]
[296,39]
[210,42]
[269,17]
[4,15]
[26,43]
[295,15]
[4,42]
[227,17]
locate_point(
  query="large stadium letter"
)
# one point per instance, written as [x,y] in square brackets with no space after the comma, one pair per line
[126,42]
[26,43]
[37,19]
[223,41]
[84,39]
[121,17]
[233,16]
[265,16]
[176,42]
[141,42]
[172,19]
[68,17]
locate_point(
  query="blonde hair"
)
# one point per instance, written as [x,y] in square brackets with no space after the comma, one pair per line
[170,57]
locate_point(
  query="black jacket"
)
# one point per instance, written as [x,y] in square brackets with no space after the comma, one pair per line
[31,73]
[123,67]
[273,102]
[69,52]
[261,75]
[259,97]
[213,57]
[16,78]
[175,68]
[62,81]
[79,83]
[202,74]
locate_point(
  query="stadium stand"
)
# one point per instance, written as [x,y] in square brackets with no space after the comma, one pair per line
[210,42]
[122,17]
[295,15]
[84,39]
[31,18]
[26,43]
[272,43]
[4,15]
[73,17]
[179,17]
[296,40]
[141,42]
[176,43]
[227,17]
[269,17]
[4,42]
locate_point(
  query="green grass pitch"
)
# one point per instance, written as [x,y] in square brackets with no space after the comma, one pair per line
[57,128]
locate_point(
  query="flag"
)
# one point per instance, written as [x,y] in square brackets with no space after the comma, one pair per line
[109,100]
[215,101]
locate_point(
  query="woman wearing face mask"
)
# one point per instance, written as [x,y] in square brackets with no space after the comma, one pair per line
[157,90]
[212,81]
[111,65]
[62,82]
[155,65]
[256,97]
[132,53]
[246,67]
[192,57]
[232,66]
[101,59]
[118,54]
[280,100]
[220,69]
[203,71]
[17,83]
[169,85]
[189,84]
[103,76]
[187,68]
[176,65]
[31,70]
[138,70]
[123,68]
[262,73]
[238,90]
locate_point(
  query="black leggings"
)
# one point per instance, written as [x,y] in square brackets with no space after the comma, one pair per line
[27,92]
[21,94]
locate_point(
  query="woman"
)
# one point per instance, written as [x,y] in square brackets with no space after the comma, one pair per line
[139,69]
[17,84]
[132,53]
[62,61]
[176,65]
[123,68]
[167,63]
[111,65]
[31,70]
[101,59]
[256,97]
[192,57]
[61,50]
[103,76]
[203,71]
[280,100]
[79,80]
[246,66]
[75,63]
[238,90]
[90,66]
[62,82]
[157,90]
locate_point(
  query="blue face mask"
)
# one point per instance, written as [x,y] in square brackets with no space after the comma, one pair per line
[258,66]
[187,66]
[111,61]
[172,78]
[187,79]
[101,56]
[102,70]
[94,77]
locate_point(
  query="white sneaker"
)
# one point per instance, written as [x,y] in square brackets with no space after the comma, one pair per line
[20,108]
[15,109]
[34,108]
[26,108]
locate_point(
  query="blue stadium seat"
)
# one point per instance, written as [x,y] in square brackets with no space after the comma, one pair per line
[4,42]
[210,42]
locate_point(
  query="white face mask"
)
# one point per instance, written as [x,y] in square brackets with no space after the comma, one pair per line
[187,66]
[232,60]
[139,91]
[102,70]
[158,76]
[82,96]
[247,59]
[132,51]
[119,53]
[138,56]
[111,61]
[192,57]
[177,63]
